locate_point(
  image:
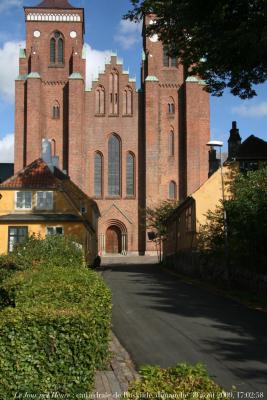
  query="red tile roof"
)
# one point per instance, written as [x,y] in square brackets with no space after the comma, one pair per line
[55,4]
[34,176]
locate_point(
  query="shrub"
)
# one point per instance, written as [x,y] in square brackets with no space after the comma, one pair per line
[54,250]
[191,381]
[55,335]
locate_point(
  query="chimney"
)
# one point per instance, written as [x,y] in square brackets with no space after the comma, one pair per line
[47,154]
[234,142]
[214,162]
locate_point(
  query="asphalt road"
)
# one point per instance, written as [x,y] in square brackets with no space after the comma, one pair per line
[162,320]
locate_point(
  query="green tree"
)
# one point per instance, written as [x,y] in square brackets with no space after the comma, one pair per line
[156,220]
[246,223]
[224,40]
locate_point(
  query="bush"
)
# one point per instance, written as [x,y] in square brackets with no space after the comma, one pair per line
[55,335]
[54,250]
[191,381]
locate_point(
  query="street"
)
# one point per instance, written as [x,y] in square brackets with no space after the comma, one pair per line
[162,320]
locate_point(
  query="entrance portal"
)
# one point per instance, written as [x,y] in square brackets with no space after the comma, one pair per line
[113,240]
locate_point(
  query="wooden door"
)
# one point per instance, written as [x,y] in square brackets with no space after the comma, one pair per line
[113,240]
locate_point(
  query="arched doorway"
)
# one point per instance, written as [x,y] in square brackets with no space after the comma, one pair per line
[113,240]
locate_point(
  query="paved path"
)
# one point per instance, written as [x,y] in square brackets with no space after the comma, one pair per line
[162,320]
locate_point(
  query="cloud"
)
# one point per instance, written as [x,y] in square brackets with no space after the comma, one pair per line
[255,110]
[7,149]
[128,34]
[7,4]
[95,62]
[9,62]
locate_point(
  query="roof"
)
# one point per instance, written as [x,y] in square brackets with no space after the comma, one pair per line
[253,148]
[37,175]
[61,4]
[40,217]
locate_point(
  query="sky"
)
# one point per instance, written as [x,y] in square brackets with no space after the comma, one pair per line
[107,32]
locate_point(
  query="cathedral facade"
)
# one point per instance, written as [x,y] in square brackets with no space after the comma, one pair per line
[126,148]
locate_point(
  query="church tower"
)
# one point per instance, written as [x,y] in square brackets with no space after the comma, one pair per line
[176,124]
[50,85]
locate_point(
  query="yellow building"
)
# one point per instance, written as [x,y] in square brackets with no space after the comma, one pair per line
[42,200]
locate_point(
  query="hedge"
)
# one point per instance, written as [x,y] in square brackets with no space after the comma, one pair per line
[180,382]
[54,331]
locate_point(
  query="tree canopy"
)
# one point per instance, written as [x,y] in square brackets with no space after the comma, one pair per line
[223,41]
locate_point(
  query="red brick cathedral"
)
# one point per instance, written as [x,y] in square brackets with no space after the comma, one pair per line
[126,148]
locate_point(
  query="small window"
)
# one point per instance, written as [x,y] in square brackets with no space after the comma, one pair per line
[167,60]
[171,108]
[188,219]
[98,173]
[52,51]
[44,200]
[24,200]
[54,230]
[16,234]
[56,112]
[172,191]
[171,144]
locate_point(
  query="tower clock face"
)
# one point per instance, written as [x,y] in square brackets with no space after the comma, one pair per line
[36,34]
[73,34]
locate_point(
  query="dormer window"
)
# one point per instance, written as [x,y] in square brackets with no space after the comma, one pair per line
[56,48]
[44,201]
[23,200]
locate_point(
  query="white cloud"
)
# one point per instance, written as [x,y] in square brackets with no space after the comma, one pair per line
[255,110]
[7,4]
[95,62]
[9,62]
[128,34]
[7,149]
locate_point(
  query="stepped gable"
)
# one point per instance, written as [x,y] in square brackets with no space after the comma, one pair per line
[61,4]
[252,148]
[34,176]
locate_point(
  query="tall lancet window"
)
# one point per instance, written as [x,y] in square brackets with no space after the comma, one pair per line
[114,166]
[114,92]
[130,175]
[100,100]
[57,48]
[127,101]
[98,174]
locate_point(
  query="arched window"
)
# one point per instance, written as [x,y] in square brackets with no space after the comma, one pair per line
[114,92]
[130,175]
[128,101]
[114,166]
[171,144]
[171,106]
[57,48]
[52,51]
[100,100]
[54,149]
[172,190]
[56,111]
[167,60]
[98,174]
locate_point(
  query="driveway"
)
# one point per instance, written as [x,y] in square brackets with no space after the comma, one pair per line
[162,320]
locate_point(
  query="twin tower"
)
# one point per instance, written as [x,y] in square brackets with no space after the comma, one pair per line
[126,148]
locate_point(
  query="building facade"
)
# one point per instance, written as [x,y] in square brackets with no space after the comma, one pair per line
[124,147]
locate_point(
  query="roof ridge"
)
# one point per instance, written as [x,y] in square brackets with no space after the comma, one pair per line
[55,4]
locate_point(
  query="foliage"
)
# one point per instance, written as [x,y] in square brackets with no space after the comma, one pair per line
[157,217]
[54,250]
[55,317]
[246,223]
[158,383]
[225,40]
[54,332]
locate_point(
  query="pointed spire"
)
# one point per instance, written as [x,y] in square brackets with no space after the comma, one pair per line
[61,4]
